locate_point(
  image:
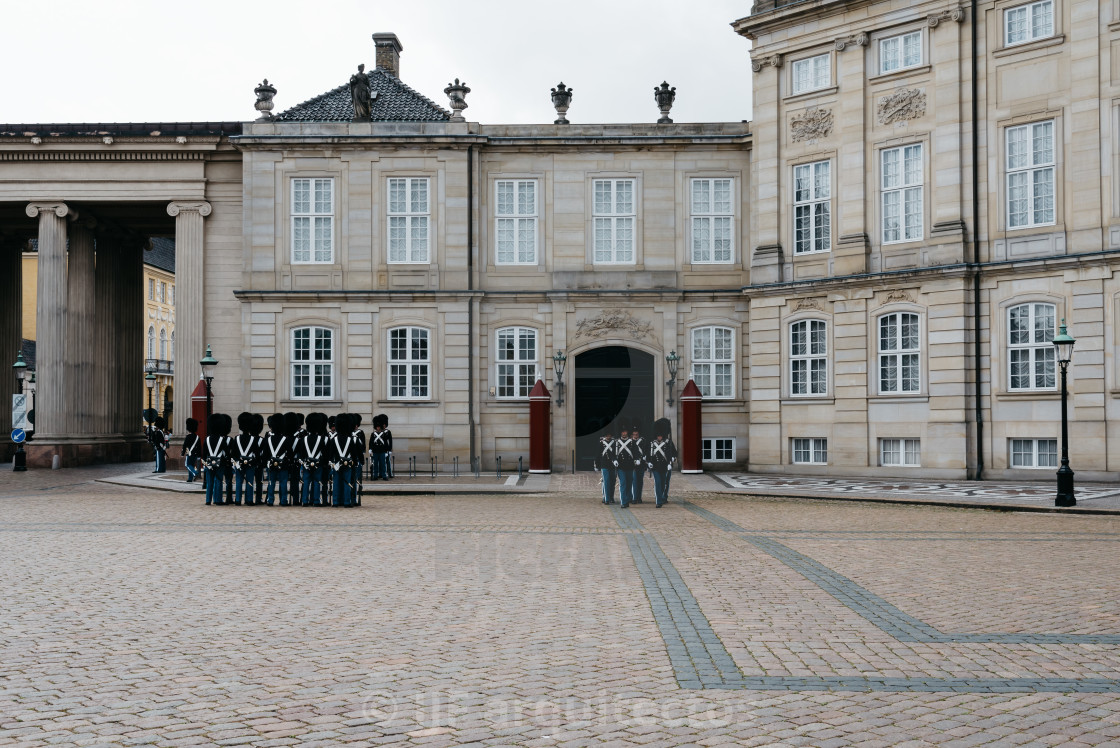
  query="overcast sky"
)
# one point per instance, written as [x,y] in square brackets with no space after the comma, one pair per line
[153,61]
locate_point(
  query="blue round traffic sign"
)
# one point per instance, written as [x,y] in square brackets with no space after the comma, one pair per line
[18,435]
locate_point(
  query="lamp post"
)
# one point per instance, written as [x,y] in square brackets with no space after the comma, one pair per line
[150,383]
[19,465]
[672,361]
[559,360]
[1064,345]
[208,363]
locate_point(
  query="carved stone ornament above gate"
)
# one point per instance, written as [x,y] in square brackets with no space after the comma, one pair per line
[898,295]
[810,125]
[613,321]
[907,104]
[810,303]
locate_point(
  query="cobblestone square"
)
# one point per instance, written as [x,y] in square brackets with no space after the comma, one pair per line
[133,616]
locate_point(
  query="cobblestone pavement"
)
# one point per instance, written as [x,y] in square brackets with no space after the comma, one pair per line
[133,616]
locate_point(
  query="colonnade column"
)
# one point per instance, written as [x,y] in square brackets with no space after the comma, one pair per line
[80,327]
[51,421]
[11,324]
[107,364]
[130,329]
[189,289]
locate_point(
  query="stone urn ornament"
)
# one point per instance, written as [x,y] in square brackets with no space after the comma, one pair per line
[561,99]
[457,95]
[664,96]
[265,92]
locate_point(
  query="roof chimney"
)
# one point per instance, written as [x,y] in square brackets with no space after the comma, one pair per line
[388,53]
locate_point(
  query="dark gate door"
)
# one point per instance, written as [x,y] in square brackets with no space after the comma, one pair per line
[614,385]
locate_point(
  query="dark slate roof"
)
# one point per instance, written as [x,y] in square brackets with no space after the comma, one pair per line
[162,254]
[395,102]
[27,348]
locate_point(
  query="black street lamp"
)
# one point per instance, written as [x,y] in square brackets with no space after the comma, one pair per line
[558,362]
[1064,345]
[19,465]
[208,363]
[672,361]
[150,383]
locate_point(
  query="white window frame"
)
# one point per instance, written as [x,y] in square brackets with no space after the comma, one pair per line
[610,223]
[710,448]
[311,369]
[151,341]
[901,55]
[1037,22]
[1036,351]
[900,353]
[172,294]
[808,359]
[815,448]
[713,363]
[414,368]
[316,219]
[901,185]
[811,74]
[1031,175]
[413,217]
[520,373]
[1017,449]
[162,292]
[516,222]
[812,207]
[900,452]
[711,216]
[171,348]
[163,344]
[151,289]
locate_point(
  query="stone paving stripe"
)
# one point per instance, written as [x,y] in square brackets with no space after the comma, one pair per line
[875,609]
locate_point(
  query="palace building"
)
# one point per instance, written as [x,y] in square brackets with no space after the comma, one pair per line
[865,279]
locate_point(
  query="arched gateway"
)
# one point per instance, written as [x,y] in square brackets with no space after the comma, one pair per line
[613,386]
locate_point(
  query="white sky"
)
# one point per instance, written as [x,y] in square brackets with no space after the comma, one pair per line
[199,60]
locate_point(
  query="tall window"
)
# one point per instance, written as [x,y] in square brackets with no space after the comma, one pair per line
[812,207]
[613,216]
[409,364]
[900,452]
[517,361]
[810,451]
[312,363]
[162,292]
[899,353]
[712,361]
[409,219]
[902,193]
[811,74]
[1034,453]
[172,294]
[898,52]
[312,220]
[1030,175]
[163,344]
[1028,22]
[1031,355]
[171,350]
[151,342]
[516,217]
[151,291]
[808,358]
[711,220]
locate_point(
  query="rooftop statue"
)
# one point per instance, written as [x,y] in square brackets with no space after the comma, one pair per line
[359,94]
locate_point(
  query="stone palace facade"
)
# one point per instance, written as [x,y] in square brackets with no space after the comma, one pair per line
[863,280]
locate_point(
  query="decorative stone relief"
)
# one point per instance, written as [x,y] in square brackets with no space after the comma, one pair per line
[803,304]
[953,14]
[613,320]
[898,295]
[907,104]
[810,125]
[774,61]
[855,40]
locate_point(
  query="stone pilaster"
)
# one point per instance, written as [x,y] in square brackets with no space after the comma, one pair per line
[106,353]
[131,332]
[11,267]
[51,401]
[189,313]
[80,338]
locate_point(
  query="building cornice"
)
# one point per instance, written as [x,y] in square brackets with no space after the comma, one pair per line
[787,14]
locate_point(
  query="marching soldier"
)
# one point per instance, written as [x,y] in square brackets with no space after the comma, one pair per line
[244,456]
[624,458]
[309,453]
[293,427]
[341,449]
[227,464]
[192,449]
[213,459]
[606,463]
[256,427]
[641,456]
[277,454]
[662,454]
[159,438]
[359,467]
[380,446]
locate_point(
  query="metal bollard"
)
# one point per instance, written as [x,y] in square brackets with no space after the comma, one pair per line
[455,466]
[499,467]
[573,462]
[519,472]
[433,461]
[477,466]
[412,467]
[393,465]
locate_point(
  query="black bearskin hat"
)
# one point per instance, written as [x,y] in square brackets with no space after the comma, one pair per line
[317,423]
[292,422]
[357,420]
[244,422]
[662,427]
[344,424]
[256,424]
[161,422]
[214,424]
[381,420]
[227,424]
[276,423]
[192,426]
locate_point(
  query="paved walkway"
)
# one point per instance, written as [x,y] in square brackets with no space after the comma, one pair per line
[137,616]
